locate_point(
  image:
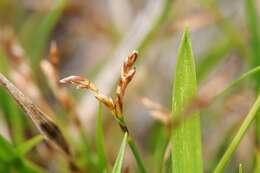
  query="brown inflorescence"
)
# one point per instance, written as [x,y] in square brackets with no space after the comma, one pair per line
[114,105]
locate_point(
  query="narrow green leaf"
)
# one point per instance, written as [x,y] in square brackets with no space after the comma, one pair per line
[255,33]
[186,139]
[240,134]
[255,49]
[136,154]
[25,147]
[32,167]
[100,140]
[13,115]
[9,156]
[25,166]
[7,152]
[234,83]
[120,157]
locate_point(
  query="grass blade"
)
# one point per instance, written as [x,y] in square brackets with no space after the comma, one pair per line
[13,115]
[25,147]
[255,50]
[100,140]
[45,125]
[186,139]
[120,157]
[240,134]
[7,152]
[234,83]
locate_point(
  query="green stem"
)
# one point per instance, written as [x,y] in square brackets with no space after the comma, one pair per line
[241,132]
[253,71]
[136,154]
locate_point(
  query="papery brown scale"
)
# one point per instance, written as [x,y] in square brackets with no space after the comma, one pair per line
[79,82]
[106,101]
[128,63]
[130,75]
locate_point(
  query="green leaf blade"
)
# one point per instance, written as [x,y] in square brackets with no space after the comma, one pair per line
[186,139]
[120,157]
[7,152]
[25,147]
[237,139]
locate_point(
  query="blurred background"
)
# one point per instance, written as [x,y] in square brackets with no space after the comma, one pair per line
[93,39]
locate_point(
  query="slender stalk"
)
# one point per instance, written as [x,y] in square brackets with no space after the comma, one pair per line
[240,134]
[136,154]
[251,72]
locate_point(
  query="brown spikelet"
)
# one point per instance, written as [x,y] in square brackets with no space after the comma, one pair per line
[115,106]
[45,125]
[80,82]
[106,101]
[126,75]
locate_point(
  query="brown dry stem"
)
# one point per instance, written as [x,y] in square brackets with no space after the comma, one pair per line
[44,124]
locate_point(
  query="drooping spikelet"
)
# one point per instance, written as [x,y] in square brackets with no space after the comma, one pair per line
[80,82]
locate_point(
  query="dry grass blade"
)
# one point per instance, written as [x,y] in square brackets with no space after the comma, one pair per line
[45,125]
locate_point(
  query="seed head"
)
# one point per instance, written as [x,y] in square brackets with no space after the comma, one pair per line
[80,82]
[126,75]
[106,101]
